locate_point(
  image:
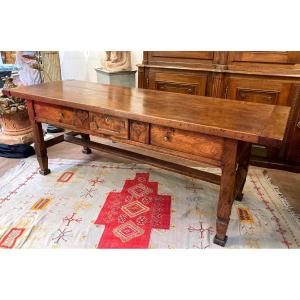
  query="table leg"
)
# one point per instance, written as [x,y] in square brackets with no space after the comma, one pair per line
[39,143]
[242,171]
[227,189]
[40,148]
[86,150]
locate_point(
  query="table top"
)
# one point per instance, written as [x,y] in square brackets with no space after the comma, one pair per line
[252,122]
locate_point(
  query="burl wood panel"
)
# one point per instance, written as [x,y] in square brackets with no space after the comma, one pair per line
[54,113]
[81,119]
[108,124]
[186,142]
[139,132]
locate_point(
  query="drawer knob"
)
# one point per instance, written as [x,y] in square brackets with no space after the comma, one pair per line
[61,115]
[107,119]
[298,124]
[190,91]
[166,138]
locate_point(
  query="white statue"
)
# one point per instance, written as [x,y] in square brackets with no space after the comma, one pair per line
[116,61]
[27,74]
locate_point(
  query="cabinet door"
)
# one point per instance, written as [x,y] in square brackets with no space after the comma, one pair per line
[183,58]
[258,89]
[274,57]
[183,83]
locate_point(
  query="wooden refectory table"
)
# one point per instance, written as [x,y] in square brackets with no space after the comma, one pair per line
[209,130]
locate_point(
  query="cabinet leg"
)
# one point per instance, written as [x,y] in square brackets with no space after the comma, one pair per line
[86,150]
[227,189]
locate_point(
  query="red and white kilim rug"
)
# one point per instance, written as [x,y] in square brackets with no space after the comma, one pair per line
[85,204]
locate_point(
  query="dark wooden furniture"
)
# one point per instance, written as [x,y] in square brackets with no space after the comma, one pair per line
[208,130]
[268,77]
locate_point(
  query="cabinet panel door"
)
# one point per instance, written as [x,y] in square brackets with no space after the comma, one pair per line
[258,89]
[275,57]
[184,54]
[178,83]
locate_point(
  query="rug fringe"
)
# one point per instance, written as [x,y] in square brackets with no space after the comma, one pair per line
[289,208]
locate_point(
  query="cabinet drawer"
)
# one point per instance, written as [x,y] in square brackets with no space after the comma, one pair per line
[257,95]
[176,87]
[109,125]
[186,142]
[54,113]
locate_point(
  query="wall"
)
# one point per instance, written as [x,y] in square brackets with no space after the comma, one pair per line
[81,65]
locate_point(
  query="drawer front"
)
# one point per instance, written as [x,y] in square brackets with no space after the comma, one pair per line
[257,95]
[184,83]
[139,132]
[109,125]
[186,142]
[57,114]
[258,89]
[176,87]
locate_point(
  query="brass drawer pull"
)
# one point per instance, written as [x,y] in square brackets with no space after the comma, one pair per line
[190,91]
[61,115]
[107,119]
[298,124]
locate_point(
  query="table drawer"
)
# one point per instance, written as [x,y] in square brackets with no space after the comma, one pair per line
[108,125]
[186,141]
[54,113]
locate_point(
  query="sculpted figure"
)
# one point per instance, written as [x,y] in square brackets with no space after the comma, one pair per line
[116,61]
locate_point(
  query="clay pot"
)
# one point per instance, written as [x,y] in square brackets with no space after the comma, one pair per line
[16,128]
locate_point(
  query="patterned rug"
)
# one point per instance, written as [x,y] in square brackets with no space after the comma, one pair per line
[88,204]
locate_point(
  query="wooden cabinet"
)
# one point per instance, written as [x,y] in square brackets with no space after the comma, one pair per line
[270,77]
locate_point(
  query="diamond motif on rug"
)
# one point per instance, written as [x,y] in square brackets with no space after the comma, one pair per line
[134,208]
[128,231]
[139,190]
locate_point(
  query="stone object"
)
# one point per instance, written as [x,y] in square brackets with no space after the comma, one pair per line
[121,78]
[116,61]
